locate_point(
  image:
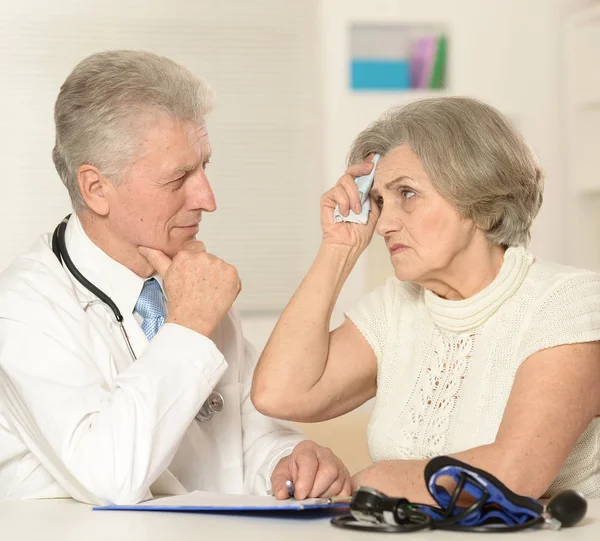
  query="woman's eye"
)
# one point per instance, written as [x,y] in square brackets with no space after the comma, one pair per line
[407,194]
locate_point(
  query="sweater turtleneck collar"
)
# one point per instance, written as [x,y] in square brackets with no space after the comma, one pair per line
[467,314]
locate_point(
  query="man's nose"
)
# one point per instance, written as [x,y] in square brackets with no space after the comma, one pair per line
[200,194]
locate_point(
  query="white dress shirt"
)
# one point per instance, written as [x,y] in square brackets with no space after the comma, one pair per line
[80,418]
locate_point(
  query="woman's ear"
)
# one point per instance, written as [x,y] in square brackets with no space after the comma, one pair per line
[94,188]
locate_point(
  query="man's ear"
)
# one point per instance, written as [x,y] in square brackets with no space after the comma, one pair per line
[94,188]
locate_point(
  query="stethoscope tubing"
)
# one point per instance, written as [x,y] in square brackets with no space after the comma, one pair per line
[59,247]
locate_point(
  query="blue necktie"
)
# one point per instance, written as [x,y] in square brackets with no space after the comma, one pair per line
[151,306]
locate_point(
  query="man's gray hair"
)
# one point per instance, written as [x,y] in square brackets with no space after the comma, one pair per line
[102,104]
[476,160]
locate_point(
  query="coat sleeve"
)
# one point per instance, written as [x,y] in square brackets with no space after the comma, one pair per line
[104,442]
[265,440]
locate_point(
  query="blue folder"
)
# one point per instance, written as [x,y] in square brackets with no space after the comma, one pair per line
[212,502]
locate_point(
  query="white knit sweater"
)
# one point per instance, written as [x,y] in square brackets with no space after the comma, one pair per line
[446,368]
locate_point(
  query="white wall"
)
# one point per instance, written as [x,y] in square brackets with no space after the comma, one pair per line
[507,52]
[261,57]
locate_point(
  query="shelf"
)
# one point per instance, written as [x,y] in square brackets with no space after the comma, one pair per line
[397,57]
[371,103]
[406,96]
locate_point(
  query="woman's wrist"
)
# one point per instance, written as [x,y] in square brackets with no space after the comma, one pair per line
[341,254]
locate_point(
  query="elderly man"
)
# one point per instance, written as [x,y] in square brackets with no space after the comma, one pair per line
[118,342]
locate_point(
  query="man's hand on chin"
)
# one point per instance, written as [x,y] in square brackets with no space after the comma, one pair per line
[200,287]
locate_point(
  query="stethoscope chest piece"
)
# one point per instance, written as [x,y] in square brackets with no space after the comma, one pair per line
[214,404]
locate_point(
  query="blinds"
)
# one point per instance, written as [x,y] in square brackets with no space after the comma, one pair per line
[262,59]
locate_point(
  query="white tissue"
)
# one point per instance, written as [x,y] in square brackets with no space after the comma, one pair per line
[363,184]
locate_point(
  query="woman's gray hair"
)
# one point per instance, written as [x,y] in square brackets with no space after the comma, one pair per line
[103,103]
[476,160]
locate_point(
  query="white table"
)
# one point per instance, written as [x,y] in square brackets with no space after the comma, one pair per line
[67,520]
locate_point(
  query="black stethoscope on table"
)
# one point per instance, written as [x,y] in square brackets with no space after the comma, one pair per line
[492,507]
[214,403]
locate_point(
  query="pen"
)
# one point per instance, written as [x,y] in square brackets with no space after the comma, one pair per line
[290,488]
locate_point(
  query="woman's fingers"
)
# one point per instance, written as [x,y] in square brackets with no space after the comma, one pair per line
[359,169]
[337,196]
[345,193]
[346,196]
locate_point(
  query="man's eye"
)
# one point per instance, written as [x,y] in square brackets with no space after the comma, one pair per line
[177,183]
[379,202]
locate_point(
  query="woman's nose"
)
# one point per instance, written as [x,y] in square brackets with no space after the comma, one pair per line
[387,223]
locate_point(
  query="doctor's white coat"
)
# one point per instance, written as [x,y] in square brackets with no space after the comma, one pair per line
[80,418]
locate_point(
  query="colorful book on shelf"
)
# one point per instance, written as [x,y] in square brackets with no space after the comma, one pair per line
[417,63]
[428,62]
[438,72]
[424,53]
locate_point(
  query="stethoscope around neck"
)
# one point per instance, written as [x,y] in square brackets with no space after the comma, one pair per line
[214,403]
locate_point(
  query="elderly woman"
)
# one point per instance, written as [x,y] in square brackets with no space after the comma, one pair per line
[476,348]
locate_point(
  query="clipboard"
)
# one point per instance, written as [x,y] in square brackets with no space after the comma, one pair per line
[215,502]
